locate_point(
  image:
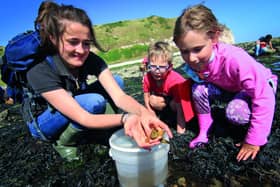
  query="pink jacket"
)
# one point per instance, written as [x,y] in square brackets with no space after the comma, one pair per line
[233,70]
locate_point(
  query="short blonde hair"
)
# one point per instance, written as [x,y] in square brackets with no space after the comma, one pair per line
[160,49]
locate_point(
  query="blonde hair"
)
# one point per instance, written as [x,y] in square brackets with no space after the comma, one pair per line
[160,49]
[197,18]
[226,36]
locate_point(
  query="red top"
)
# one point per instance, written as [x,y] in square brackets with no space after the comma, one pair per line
[175,86]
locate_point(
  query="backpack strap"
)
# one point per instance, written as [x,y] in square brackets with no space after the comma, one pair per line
[50,61]
[29,103]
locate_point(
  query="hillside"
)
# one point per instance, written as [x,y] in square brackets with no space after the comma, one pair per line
[131,32]
[129,39]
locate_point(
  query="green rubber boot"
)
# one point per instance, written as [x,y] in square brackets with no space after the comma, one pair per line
[109,109]
[69,153]
[66,145]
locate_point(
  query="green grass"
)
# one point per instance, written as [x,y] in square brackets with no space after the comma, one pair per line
[132,32]
[123,54]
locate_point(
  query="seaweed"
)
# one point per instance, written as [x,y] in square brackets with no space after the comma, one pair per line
[29,162]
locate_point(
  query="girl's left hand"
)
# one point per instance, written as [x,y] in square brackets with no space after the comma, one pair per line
[247,151]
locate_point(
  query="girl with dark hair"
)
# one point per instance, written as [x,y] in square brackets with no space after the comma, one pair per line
[75,109]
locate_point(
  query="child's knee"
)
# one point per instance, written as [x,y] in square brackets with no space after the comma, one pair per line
[238,112]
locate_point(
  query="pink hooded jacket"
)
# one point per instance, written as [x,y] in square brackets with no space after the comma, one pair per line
[233,70]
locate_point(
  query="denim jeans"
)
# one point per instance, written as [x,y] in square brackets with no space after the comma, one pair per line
[52,123]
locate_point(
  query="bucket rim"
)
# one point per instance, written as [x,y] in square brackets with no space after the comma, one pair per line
[134,149]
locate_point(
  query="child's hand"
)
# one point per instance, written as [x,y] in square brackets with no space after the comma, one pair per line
[246,151]
[157,102]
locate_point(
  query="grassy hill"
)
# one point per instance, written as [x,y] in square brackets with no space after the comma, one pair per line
[129,39]
[131,32]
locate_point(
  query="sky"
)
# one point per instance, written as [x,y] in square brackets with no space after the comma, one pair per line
[248,19]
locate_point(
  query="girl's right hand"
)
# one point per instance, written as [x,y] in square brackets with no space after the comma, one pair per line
[247,151]
[135,128]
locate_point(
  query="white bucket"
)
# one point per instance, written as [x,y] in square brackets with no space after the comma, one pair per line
[138,167]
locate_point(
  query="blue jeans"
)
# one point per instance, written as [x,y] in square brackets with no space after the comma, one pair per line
[52,123]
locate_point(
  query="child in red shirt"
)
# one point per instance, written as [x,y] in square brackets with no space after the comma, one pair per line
[166,91]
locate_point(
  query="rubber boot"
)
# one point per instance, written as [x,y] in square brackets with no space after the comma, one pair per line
[66,145]
[204,122]
[69,153]
[109,109]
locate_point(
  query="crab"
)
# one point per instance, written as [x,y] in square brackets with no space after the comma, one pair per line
[157,133]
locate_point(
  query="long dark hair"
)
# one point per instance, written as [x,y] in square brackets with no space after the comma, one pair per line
[43,10]
[53,24]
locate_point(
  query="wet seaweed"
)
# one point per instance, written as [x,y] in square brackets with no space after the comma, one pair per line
[29,162]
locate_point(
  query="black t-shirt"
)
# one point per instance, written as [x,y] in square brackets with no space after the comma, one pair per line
[47,76]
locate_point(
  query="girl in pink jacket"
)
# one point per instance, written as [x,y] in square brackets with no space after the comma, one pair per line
[228,74]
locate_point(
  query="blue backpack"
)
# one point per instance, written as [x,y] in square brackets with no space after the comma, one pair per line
[21,53]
